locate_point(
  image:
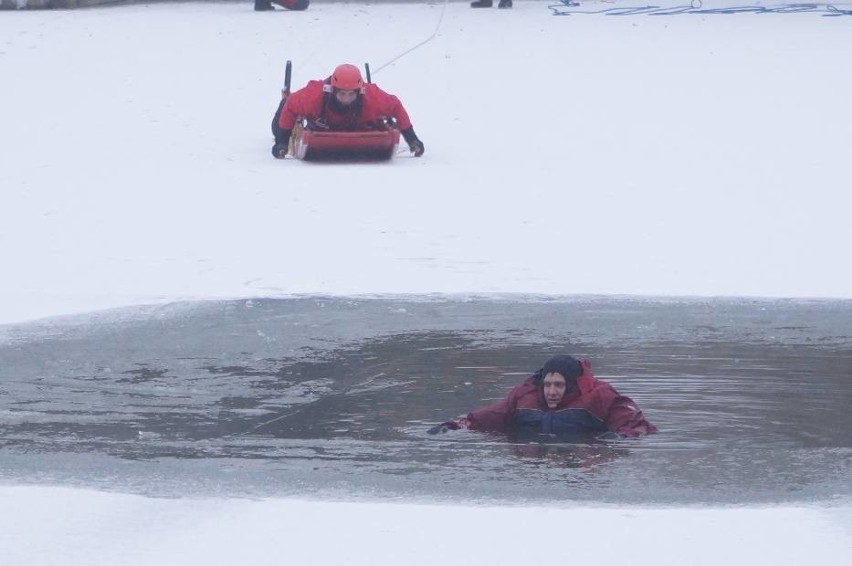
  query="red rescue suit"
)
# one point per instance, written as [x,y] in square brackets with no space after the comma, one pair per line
[314,102]
[591,406]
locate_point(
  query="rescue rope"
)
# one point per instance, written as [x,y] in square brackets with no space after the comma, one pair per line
[419,45]
[570,7]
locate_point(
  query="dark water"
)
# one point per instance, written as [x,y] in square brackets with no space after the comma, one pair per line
[333,396]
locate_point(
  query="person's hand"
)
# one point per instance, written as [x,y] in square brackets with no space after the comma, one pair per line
[279,150]
[417,148]
[414,144]
[443,427]
[438,429]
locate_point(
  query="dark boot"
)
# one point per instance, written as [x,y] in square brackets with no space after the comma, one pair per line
[505,4]
[482,4]
[263,5]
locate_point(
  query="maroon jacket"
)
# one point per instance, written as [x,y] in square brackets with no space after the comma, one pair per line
[310,102]
[591,406]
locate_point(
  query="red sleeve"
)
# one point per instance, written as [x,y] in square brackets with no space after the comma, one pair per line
[624,417]
[388,105]
[303,103]
[619,413]
[494,417]
[497,417]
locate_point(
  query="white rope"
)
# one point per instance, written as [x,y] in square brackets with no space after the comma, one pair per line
[421,44]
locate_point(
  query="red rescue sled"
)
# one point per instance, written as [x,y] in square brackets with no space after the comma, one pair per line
[379,144]
[311,142]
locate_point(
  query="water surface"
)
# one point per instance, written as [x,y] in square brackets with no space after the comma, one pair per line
[333,397]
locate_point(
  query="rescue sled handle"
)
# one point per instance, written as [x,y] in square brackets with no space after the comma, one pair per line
[288,71]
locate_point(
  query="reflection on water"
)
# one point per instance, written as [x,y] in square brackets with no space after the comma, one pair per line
[318,395]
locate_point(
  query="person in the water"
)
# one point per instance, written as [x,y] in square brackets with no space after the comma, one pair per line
[562,398]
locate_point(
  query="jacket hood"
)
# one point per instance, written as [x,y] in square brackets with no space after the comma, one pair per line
[567,366]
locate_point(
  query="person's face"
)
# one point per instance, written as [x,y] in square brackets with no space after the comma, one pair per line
[554,389]
[346,97]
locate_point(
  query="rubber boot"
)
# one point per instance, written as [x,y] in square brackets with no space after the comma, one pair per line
[482,4]
[263,5]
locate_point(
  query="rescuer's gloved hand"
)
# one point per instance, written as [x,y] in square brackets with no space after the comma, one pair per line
[417,148]
[279,150]
[282,144]
[414,144]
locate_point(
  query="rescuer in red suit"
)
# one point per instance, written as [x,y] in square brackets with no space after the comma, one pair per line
[342,102]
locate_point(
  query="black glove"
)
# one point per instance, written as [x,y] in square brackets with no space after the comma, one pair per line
[279,150]
[444,427]
[417,148]
[438,429]
[414,144]
[282,144]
